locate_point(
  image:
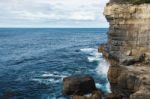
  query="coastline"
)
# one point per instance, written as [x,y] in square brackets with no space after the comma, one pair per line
[127,51]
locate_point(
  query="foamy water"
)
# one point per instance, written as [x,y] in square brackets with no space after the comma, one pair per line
[102,67]
[50,77]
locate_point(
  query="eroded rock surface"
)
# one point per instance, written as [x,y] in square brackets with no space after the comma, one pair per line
[128,49]
[129,32]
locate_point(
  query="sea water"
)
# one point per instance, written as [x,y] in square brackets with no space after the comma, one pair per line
[33,62]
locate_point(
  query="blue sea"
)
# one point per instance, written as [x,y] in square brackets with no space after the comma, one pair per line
[33,62]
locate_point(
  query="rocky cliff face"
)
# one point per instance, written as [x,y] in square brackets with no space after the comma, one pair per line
[128,49]
[129,31]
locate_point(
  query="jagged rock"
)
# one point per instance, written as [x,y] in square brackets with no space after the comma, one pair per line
[78,85]
[129,31]
[96,95]
[130,60]
[128,45]
[113,96]
[101,48]
[129,53]
[130,80]
[147,56]
[142,94]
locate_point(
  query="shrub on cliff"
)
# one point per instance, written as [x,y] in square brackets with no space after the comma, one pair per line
[137,1]
[131,1]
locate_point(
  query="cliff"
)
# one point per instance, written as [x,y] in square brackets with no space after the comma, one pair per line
[128,49]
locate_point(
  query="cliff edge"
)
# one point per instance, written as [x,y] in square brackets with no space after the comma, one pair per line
[128,48]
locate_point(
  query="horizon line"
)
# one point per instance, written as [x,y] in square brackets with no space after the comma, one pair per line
[49,27]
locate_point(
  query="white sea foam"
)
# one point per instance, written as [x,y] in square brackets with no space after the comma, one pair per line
[92,59]
[49,78]
[87,50]
[101,69]
[105,87]
[52,75]
[94,55]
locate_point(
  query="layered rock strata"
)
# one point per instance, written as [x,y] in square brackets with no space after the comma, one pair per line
[128,49]
[129,32]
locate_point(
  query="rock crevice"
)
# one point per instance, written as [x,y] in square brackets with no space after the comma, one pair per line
[128,49]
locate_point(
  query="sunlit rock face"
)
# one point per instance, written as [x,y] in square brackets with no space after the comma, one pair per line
[129,31]
[128,49]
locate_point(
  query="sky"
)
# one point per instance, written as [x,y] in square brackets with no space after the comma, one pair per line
[52,13]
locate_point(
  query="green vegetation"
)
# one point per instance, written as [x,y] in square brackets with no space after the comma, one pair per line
[137,1]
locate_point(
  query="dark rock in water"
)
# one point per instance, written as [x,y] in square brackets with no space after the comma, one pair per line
[78,85]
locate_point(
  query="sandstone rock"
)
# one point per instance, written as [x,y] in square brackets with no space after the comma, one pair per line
[147,56]
[129,31]
[101,48]
[78,85]
[142,94]
[113,96]
[113,74]
[129,53]
[96,95]
[128,40]
[130,60]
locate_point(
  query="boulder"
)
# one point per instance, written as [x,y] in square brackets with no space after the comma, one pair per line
[78,85]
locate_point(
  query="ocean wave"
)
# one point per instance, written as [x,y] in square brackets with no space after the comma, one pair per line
[87,50]
[93,54]
[50,78]
[102,68]
[104,87]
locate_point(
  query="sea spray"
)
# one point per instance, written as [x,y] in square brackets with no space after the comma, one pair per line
[101,69]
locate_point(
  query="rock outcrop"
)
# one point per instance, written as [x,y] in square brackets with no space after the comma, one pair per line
[128,49]
[79,86]
[129,32]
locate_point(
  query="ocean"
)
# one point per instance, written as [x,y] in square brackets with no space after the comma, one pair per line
[33,62]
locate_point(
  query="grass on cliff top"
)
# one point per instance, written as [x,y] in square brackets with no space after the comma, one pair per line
[137,1]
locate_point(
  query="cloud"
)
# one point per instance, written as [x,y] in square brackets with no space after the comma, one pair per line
[82,16]
[47,11]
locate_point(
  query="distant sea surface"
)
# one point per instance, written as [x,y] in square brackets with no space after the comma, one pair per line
[33,62]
